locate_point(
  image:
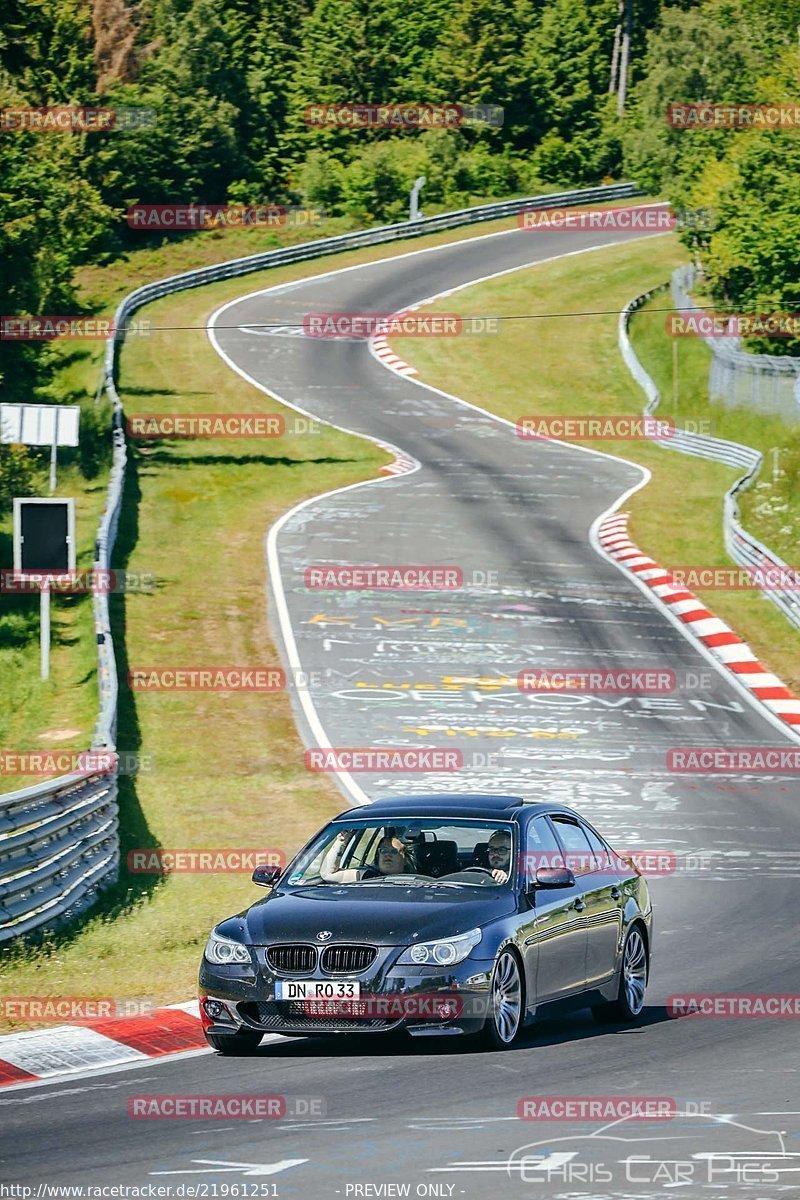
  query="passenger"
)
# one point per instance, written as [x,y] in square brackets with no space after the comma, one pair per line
[498,851]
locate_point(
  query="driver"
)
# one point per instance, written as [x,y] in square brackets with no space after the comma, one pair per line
[498,852]
[392,857]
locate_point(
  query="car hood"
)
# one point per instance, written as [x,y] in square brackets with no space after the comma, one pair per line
[385,915]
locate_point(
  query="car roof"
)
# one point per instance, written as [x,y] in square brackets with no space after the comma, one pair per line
[470,804]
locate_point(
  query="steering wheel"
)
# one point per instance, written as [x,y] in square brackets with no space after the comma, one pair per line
[484,870]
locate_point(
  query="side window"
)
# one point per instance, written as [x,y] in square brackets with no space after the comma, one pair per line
[540,849]
[604,857]
[577,850]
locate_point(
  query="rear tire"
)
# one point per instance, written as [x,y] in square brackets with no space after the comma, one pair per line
[633,978]
[506,1004]
[244,1042]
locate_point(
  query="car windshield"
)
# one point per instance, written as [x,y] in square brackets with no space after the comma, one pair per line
[411,851]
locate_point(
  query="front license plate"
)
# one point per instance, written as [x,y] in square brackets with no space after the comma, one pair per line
[317,989]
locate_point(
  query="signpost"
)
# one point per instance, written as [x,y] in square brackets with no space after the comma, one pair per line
[414,213]
[51,425]
[44,545]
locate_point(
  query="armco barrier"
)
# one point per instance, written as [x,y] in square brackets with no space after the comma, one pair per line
[743,548]
[59,840]
[768,383]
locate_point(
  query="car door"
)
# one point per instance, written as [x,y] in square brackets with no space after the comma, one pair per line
[600,884]
[556,932]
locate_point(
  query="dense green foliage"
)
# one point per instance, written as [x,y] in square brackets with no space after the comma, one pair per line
[746,180]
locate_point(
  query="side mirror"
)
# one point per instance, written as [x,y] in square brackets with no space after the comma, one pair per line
[266,876]
[553,877]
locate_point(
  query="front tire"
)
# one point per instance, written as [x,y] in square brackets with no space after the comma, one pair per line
[504,1020]
[632,981]
[246,1041]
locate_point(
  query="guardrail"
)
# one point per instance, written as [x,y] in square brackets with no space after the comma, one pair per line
[745,550]
[766,382]
[59,840]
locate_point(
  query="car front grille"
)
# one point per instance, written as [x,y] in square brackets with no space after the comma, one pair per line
[292,958]
[278,1016]
[340,959]
[347,960]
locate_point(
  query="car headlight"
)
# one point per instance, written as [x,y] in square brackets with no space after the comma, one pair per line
[444,953]
[223,950]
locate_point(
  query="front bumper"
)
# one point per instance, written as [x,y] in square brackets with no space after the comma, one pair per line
[419,999]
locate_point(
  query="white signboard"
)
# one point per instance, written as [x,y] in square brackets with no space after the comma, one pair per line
[40,424]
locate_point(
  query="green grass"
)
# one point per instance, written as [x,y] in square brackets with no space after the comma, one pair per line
[571,366]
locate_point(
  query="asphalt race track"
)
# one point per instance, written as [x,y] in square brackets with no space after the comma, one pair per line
[416,669]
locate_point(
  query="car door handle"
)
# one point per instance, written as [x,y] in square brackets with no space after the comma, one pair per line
[616,892]
[579,905]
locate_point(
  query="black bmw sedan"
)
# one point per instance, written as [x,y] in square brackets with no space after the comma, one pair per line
[433,915]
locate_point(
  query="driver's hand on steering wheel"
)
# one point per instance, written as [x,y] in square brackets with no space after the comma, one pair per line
[499,876]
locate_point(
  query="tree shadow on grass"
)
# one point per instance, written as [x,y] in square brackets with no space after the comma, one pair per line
[167,458]
[159,391]
[133,828]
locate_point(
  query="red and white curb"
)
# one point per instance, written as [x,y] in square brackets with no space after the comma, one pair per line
[718,637]
[107,1042]
[386,354]
[403,464]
